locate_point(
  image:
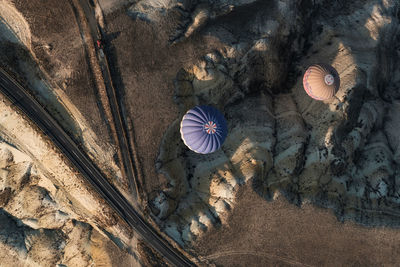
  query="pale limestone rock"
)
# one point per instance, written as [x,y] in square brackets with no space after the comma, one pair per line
[6,157]
[250,140]
[199,18]
[32,199]
[74,251]
[211,82]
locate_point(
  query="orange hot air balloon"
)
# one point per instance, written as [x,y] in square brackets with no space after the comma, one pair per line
[321,81]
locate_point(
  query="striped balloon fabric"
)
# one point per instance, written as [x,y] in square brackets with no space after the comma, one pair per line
[321,81]
[203,129]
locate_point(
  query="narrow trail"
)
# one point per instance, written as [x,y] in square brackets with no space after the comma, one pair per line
[90,33]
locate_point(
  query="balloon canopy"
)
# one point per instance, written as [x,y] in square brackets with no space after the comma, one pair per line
[203,129]
[321,81]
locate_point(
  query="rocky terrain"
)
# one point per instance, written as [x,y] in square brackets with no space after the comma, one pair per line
[340,154]
[295,177]
[48,214]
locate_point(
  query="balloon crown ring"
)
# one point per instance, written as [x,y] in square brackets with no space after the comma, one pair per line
[210,127]
[329,80]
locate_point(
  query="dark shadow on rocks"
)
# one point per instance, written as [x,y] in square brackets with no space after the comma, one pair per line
[16,235]
[342,192]
[335,184]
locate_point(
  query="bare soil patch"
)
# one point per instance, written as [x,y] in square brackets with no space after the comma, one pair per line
[57,43]
[263,233]
[143,67]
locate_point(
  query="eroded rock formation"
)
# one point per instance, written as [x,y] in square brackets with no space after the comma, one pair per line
[342,153]
[38,225]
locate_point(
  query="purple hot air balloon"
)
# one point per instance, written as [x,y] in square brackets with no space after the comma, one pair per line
[203,129]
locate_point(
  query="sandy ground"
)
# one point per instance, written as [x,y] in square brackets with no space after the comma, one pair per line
[58,45]
[263,233]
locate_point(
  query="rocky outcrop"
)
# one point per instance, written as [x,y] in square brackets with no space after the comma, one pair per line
[341,153]
[39,227]
[190,16]
[204,199]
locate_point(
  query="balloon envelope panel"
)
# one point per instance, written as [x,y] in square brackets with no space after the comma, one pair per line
[203,129]
[321,81]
